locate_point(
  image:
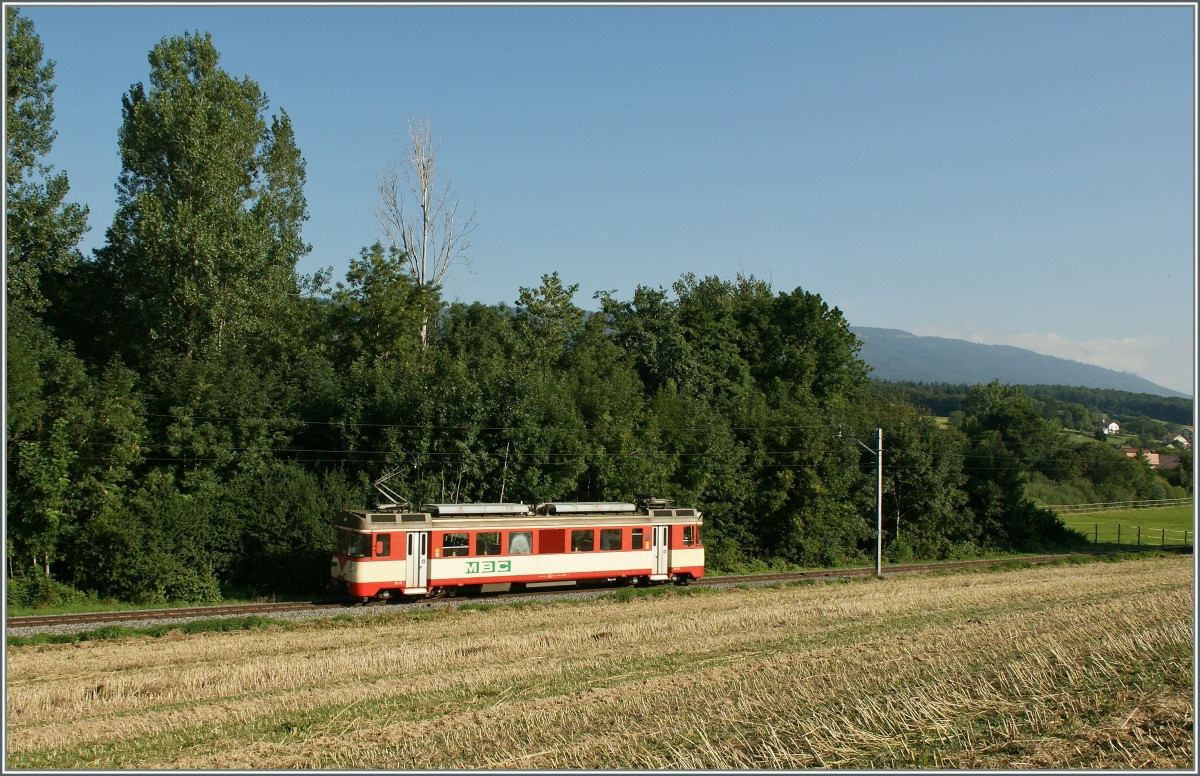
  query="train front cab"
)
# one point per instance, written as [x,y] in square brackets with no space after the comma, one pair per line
[376,558]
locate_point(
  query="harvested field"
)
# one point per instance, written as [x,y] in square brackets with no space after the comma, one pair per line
[1070,666]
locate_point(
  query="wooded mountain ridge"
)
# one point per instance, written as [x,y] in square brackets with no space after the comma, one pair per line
[899,356]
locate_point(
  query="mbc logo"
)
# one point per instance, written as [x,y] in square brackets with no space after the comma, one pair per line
[488,566]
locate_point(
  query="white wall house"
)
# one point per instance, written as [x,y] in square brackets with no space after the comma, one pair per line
[1113,427]
[1182,440]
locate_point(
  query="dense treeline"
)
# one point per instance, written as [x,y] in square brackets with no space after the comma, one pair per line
[185,413]
[1076,407]
[1121,405]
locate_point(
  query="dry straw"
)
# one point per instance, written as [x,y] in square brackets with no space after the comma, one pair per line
[1055,667]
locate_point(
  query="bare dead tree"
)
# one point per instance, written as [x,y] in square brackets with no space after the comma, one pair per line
[418,213]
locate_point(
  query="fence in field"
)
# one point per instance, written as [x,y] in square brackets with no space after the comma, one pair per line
[1115,533]
[1113,506]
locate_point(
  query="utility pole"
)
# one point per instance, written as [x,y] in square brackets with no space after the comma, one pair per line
[878,453]
[879,504]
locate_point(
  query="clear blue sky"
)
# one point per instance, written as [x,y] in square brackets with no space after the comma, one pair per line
[1009,175]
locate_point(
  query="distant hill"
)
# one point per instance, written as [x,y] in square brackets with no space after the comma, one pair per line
[900,356]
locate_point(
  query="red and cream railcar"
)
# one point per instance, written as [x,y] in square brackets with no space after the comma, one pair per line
[452,548]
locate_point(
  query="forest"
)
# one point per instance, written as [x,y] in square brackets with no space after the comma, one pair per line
[1077,407]
[185,413]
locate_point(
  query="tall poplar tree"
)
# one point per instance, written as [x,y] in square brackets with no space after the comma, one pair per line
[42,229]
[43,411]
[203,246]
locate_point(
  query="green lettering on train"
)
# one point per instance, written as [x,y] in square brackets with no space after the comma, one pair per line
[488,566]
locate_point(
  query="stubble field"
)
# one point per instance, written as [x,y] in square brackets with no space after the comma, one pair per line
[1070,666]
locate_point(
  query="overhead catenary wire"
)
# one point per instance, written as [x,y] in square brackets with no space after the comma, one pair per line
[826,426]
[750,455]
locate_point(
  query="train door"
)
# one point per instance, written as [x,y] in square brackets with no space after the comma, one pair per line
[660,544]
[416,564]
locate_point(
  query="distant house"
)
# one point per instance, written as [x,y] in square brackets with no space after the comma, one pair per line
[1156,460]
[1134,452]
[1113,427]
[1182,440]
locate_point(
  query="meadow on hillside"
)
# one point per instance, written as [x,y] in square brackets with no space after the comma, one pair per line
[1170,525]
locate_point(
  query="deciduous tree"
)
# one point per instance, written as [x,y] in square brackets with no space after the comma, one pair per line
[379,309]
[548,320]
[210,203]
[418,212]
[1008,438]
[42,230]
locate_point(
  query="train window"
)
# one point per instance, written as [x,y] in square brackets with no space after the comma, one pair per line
[610,538]
[455,545]
[520,542]
[637,539]
[583,541]
[383,546]
[487,543]
[359,545]
[689,535]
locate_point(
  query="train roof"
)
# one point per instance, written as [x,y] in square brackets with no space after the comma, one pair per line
[482,516]
[476,510]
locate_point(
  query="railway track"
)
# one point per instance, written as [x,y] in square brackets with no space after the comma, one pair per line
[906,568]
[149,615]
[243,610]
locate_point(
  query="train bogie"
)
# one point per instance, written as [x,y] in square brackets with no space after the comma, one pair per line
[455,549]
